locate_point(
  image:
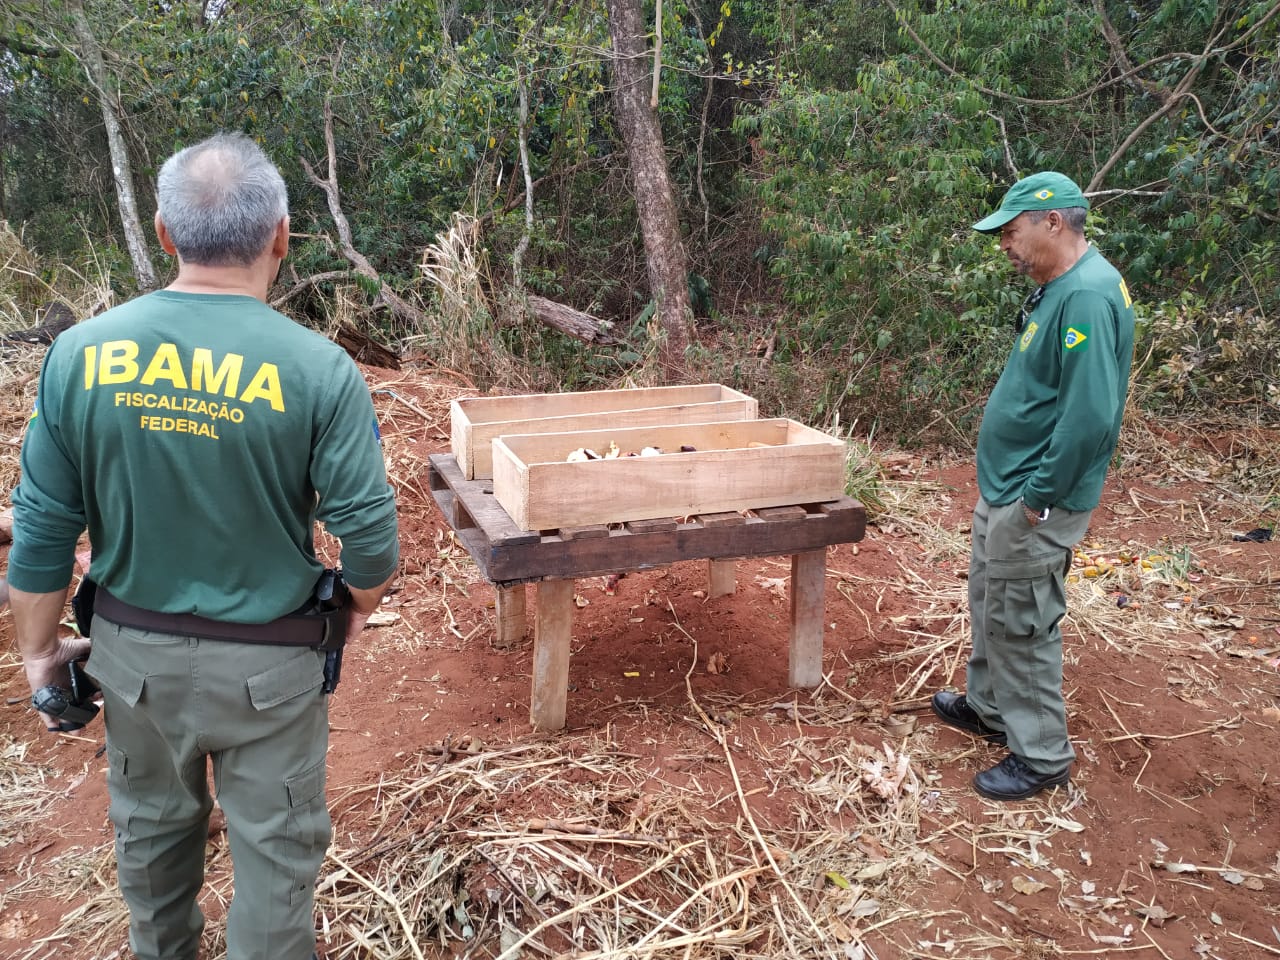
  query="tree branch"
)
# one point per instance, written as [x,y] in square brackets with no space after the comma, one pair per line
[402,310]
[1110,82]
[312,281]
[657,54]
[1122,56]
[26,49]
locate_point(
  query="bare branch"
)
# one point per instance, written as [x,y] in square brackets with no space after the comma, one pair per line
[1004,138]
[312,281]
[404,311]
[657,54]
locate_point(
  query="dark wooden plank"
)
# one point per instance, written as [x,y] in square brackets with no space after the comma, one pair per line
[624,550]
[720,519]
[773,514]
[460,519]
[507,555]
[590,532]
[842,505]
[657,525]
[484,510]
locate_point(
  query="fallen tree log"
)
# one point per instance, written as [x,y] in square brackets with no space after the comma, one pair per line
[575,323]
[364,349]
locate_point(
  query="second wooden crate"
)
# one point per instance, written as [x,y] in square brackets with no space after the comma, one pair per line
[735,465]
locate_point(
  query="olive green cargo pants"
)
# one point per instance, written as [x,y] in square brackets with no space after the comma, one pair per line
[175,705]
[1017,598]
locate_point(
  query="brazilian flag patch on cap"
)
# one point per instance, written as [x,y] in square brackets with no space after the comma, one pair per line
[1077,337]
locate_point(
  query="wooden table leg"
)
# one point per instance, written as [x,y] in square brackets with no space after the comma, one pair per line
[808,594]
[553,631]
[721,577]
[512,624]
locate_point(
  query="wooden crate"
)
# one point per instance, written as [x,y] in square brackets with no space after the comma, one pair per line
[477,421]
[790,464]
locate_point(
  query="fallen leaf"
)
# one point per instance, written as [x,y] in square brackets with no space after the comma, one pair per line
[866,908]
[1064,824]
[717,663]
[899,726]
[1155,914]
[1253,883]
[775,585]
[1026,886]
[872,871]
[838,880]
[839,930]
[1110,941]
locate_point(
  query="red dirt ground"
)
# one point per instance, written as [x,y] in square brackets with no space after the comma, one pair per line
[1177,732]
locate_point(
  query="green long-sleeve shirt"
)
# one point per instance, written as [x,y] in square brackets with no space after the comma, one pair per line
[1052,421]
[199,438]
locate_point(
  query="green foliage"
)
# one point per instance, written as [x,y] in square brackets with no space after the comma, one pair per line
[863,194]
[828,158]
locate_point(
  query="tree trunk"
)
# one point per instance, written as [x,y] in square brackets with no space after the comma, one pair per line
[121,169]
[655,201]
[573,322]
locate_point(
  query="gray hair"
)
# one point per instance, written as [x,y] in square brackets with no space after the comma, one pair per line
[221,200]
[1073,217]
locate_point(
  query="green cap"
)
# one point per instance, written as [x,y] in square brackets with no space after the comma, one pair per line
[1040,191]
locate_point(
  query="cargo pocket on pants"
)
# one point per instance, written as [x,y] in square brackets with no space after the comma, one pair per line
[302,673]
[121,802]
[111,672]
[308,832]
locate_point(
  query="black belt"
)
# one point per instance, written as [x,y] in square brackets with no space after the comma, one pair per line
[321,631]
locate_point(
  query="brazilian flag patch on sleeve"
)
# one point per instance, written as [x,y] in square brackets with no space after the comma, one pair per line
[1077,338]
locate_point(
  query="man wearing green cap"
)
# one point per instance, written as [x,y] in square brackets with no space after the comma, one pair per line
[1047,435]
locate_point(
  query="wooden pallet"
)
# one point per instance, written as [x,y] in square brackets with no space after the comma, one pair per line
[509,558]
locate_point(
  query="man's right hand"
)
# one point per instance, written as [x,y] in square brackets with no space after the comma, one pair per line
[50,668]
[45,655]
[363,604]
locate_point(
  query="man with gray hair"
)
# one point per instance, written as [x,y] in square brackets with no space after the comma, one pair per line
[1047,436]
[199,435]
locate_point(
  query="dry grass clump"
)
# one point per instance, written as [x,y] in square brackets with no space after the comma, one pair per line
[29,284]
[24,792]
